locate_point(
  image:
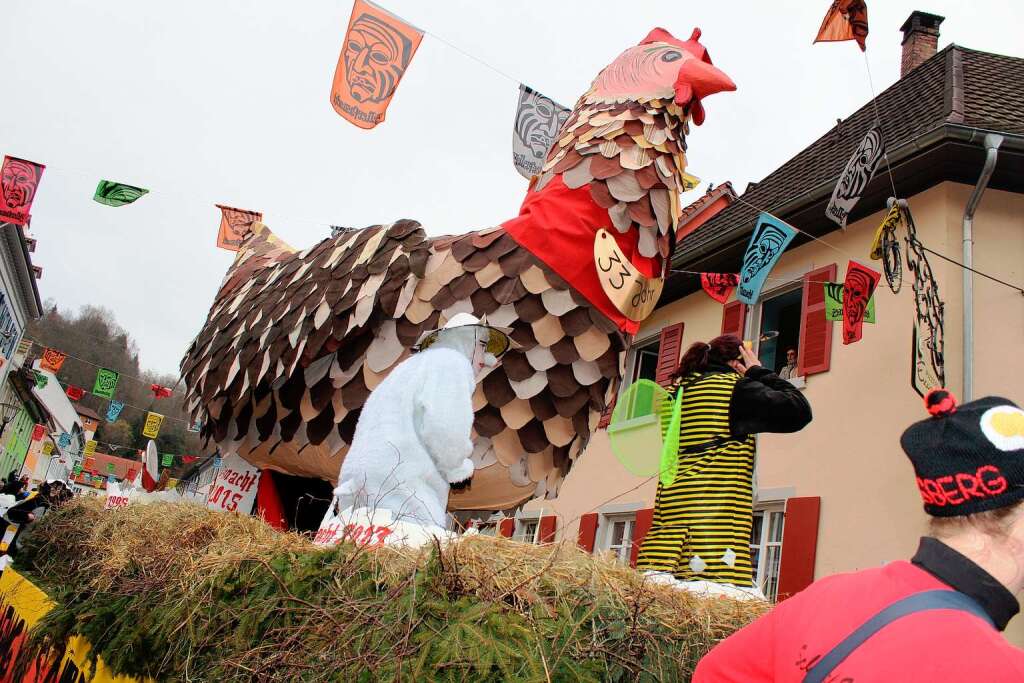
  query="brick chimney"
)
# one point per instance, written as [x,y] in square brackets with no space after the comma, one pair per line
[920,39]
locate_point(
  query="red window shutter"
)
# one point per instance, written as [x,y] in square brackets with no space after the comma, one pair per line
[640,528]
[669,345]
[506,527]
[588,531]
[547,529]
[799,545]
[815,352]
[734,317]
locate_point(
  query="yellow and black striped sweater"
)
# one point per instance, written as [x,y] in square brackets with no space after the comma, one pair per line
[702,521]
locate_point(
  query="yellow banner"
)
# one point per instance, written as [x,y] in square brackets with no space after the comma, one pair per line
[152,426]
[22,605]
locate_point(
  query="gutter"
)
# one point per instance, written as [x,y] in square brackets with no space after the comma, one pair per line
[944,131]
[992,143]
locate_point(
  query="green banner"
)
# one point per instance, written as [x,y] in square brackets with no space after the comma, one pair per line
[168,460]
[110,467]
[117,194]
[106,382]
[834,303]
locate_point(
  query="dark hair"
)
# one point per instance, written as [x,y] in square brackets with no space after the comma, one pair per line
[700,355]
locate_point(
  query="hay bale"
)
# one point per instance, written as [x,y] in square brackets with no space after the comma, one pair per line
[177,592]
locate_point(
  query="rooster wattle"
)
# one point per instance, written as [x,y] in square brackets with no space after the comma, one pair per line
[295,341]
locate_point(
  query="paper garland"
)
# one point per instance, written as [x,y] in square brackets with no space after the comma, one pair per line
[834,303]
[152,426]
[114,410]
[64,440]
[377,49]
[41,379]
[90,447]
[75,393]
[770,238]
[117,194]
[48,448]
[160,392]
[538,120]
[52,359]
[858,287]
[38,432]
[167,459]
[855,177]
[235,224]
[719,286]
[19,181]
[106,382]
[845,20]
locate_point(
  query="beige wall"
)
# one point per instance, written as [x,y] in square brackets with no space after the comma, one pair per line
[849,455]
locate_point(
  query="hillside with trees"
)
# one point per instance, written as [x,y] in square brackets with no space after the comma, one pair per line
[92,338]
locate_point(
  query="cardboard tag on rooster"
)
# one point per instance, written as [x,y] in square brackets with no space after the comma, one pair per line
[634,294]
[371,528]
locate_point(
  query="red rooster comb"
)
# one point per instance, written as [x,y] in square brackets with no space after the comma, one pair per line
[697,77]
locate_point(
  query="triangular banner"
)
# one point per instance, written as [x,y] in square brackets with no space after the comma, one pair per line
[117,194]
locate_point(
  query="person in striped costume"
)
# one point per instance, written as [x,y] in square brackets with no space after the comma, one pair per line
[702,520]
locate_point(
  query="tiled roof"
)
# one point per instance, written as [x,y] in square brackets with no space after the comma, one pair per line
[692,210]
[955,86]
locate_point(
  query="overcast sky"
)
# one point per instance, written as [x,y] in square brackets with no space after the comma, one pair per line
[226,101]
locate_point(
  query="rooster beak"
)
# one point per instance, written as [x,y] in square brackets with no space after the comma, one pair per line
[696,80]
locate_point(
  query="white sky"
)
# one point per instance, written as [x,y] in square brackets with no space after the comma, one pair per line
[226,101]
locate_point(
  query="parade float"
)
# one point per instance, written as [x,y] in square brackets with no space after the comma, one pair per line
[294,345]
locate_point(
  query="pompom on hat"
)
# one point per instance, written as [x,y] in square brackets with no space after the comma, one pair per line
[968,458]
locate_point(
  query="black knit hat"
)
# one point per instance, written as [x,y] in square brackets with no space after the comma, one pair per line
[968,458]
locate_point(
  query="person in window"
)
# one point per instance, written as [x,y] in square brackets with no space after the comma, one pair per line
[700,534]
[937,617]
[788,370]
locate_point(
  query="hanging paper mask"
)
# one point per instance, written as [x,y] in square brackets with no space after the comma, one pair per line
[845,20]
[117,194]
[834,303]
[114,410]
[377,50]
[538,119]
[106,382]
[52,359]
[859,171]
[235,224]
[19,180]
[152,426]
[858,287]
[770,238]
[75,393]
[719,286]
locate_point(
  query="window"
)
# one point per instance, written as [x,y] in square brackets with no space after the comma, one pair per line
[527,530]
[618,536]
[8,329]
[779,328]
[645,361]
[766,550]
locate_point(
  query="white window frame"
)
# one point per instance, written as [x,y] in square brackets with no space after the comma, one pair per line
[634,357]
[764,578]
[607,522]
[525,519]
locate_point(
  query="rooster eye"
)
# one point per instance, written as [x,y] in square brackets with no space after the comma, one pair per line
[671,56]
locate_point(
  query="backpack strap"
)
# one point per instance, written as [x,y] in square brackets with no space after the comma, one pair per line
[918,602]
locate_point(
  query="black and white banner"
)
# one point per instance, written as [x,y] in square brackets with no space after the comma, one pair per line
[856,176]
[538,119]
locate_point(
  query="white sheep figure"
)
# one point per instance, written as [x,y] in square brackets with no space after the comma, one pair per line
[412,440]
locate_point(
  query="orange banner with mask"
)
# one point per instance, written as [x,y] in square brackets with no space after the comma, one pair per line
[377,50]
[235,224]
[845,20]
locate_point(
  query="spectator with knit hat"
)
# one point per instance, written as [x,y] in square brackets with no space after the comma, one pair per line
[937,617]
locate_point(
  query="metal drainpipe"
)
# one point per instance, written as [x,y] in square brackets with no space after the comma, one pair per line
[992,143]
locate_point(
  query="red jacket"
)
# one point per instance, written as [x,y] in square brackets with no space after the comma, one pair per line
[940,645]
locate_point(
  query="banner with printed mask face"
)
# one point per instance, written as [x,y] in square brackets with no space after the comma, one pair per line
[719,286]
[19,180]
[770,238]
[538,120]
[858,288]
[52,360]
[117,194]
[114,410]
[834,303]
[106,382]
[845,20]
[859,171]
[152,426]
[377,50]
[235,224]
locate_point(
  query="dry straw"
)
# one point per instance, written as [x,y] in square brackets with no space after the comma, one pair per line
[180,593]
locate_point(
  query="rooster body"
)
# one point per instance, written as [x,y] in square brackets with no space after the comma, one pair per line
[295,341]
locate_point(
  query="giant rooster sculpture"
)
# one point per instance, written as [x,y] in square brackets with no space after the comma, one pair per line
[296,340]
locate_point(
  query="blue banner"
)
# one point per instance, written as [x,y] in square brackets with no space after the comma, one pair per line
[114,410]
[771,237]
[65,440]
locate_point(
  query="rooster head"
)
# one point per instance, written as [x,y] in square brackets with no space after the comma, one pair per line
[662,67]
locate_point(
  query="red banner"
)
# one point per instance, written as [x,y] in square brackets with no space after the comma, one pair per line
[75,393]
[38,432]
[235,224]
[19,180]
[377,50]
[719,286]
[160,392]
[858,287]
